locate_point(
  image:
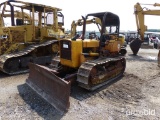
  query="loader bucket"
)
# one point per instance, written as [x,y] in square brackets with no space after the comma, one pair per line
[135,45]
[53,89]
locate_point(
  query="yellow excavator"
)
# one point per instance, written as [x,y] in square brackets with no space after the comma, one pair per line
[141,27]
[91,62]
[29,32]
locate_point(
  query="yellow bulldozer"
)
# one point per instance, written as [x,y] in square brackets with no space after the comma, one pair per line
[91,62]
[29,32]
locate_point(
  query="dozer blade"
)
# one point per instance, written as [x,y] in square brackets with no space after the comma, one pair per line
[53,89]
[135,45]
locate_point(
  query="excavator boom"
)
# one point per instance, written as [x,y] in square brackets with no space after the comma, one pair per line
[141,27]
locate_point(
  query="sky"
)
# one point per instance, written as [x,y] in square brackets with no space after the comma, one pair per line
[74,9]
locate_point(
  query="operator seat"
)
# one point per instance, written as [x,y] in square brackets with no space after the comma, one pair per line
[104,38]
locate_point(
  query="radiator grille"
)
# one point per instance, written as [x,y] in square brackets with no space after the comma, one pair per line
[65,51]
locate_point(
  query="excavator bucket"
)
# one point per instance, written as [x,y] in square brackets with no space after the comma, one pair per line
[53,89]
[135,46]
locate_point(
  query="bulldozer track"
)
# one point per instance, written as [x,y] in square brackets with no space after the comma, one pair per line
[84,72]
[4,58]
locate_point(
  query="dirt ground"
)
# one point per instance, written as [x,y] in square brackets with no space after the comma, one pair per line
[135,96]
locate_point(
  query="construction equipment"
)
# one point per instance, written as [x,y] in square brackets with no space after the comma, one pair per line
[92,35]
[91,63]
[29,32]
[141,27]
[131,35]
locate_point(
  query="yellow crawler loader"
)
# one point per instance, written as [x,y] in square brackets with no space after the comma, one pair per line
[29,32]
[91,62]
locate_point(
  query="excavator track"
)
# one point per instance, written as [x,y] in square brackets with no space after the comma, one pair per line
[16,63]
[94,74]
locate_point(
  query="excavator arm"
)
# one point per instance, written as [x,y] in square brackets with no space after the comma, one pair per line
[140,14]
[141,27]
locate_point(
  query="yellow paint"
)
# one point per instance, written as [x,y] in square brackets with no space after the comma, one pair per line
[29,28]
[76,50]
[82,59]
[15,47]
[93,54]
[113,46]
[90,43]
[121,39]
[26,30]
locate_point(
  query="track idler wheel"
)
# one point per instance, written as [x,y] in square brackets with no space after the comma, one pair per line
[12,65]
[135,45]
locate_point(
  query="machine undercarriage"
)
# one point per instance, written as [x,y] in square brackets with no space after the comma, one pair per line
[17,62]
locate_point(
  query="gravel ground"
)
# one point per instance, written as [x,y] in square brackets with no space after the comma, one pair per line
[135,96]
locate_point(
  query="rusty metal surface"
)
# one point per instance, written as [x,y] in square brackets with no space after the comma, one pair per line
[84,72]
[55,63]
[53,89]
[4,42]
[18,36]
[4,58]
[135,46]
[159,58]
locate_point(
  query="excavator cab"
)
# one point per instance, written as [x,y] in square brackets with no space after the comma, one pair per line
[91,62]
